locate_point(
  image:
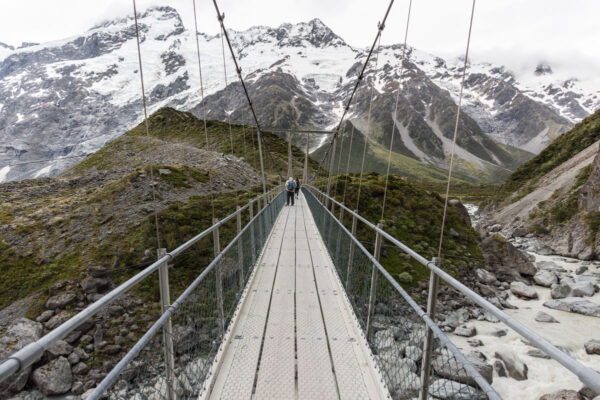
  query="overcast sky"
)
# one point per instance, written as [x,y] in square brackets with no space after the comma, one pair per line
[516,33]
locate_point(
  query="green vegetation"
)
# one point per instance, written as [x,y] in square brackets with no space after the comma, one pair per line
[583,135]
[564,210]
[583,175]
[592,220]
[180,176]
[5,217]
[23,275]
[413,216]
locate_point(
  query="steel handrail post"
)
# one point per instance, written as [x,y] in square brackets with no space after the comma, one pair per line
[219,280]
[339,239]
[351,254]
[240,250]
[167,331]
[373,291]
[428,344]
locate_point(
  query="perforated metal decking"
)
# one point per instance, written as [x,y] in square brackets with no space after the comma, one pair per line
[295,336]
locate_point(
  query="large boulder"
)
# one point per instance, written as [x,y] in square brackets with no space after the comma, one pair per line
[515,368]
[501,256]
[448,367]
[18,335]
[522,290]
[562,395]
[54,378]
[575,305]
[545,278]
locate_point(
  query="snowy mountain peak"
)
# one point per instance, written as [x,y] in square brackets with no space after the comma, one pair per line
[6,46]
[543,69]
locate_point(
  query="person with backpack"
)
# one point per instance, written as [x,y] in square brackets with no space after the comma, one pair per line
[290,185]
[297,188]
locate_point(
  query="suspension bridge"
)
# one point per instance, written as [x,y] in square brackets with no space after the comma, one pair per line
[294,306]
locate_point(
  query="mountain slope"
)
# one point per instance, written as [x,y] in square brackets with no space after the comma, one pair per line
[556,195]
[68,98]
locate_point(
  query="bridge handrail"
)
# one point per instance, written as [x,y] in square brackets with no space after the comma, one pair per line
[33,351]
[480,380]
[585,374]
[158,324]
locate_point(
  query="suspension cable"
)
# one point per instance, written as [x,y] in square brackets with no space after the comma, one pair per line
[221,17]
[362,167]
[380,28]
[225,91]
[203,106]
[348,164]
[341,147]
[394,116]
[460,96]
[200,73]
[139,51]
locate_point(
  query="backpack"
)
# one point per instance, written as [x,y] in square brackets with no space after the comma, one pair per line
[290,185]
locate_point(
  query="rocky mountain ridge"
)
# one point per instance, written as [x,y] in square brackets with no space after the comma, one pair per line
[67,98]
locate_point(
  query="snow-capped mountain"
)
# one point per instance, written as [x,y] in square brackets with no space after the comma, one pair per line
[64,99]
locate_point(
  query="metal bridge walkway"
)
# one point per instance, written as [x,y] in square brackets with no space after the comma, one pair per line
[295,336]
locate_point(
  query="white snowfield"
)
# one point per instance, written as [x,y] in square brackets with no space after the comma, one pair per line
[320,61]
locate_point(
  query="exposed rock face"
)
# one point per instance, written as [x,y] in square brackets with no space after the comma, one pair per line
[54,377]
[22,332]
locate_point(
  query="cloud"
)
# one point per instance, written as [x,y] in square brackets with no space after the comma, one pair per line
[514,33]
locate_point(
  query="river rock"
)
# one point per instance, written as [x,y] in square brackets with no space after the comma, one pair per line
[580,270]
[581,289]
[54,378]
[516,368]
[537,353]
[447,366]
[500,368]
[550,266]
[592,346]
[485,276]
[560,291]
[413,352]
[545,278]
[545,317]
[562,395]
[60,301]
[59,348]
[466,331]
[522,290]
[18,335]
[405,383]
[576,305]
[451,390]
[384,339]
[587,392]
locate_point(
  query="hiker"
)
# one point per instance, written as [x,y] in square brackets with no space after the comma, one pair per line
[290,185]
[297,189]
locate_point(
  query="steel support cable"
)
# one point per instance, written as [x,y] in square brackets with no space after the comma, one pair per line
[348,165]
[226,91]
[362,166]
[203,106]
[220,17]
[460,96]
[380,28]
[341,147]
[139,51]
[394,116]
[200,74]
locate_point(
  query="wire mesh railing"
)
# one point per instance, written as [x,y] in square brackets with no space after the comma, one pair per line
[195,328]
[396,328]
[177,354]
[486,310]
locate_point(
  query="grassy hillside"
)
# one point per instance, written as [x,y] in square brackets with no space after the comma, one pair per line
[560,150]
[100,212]
[414,216]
